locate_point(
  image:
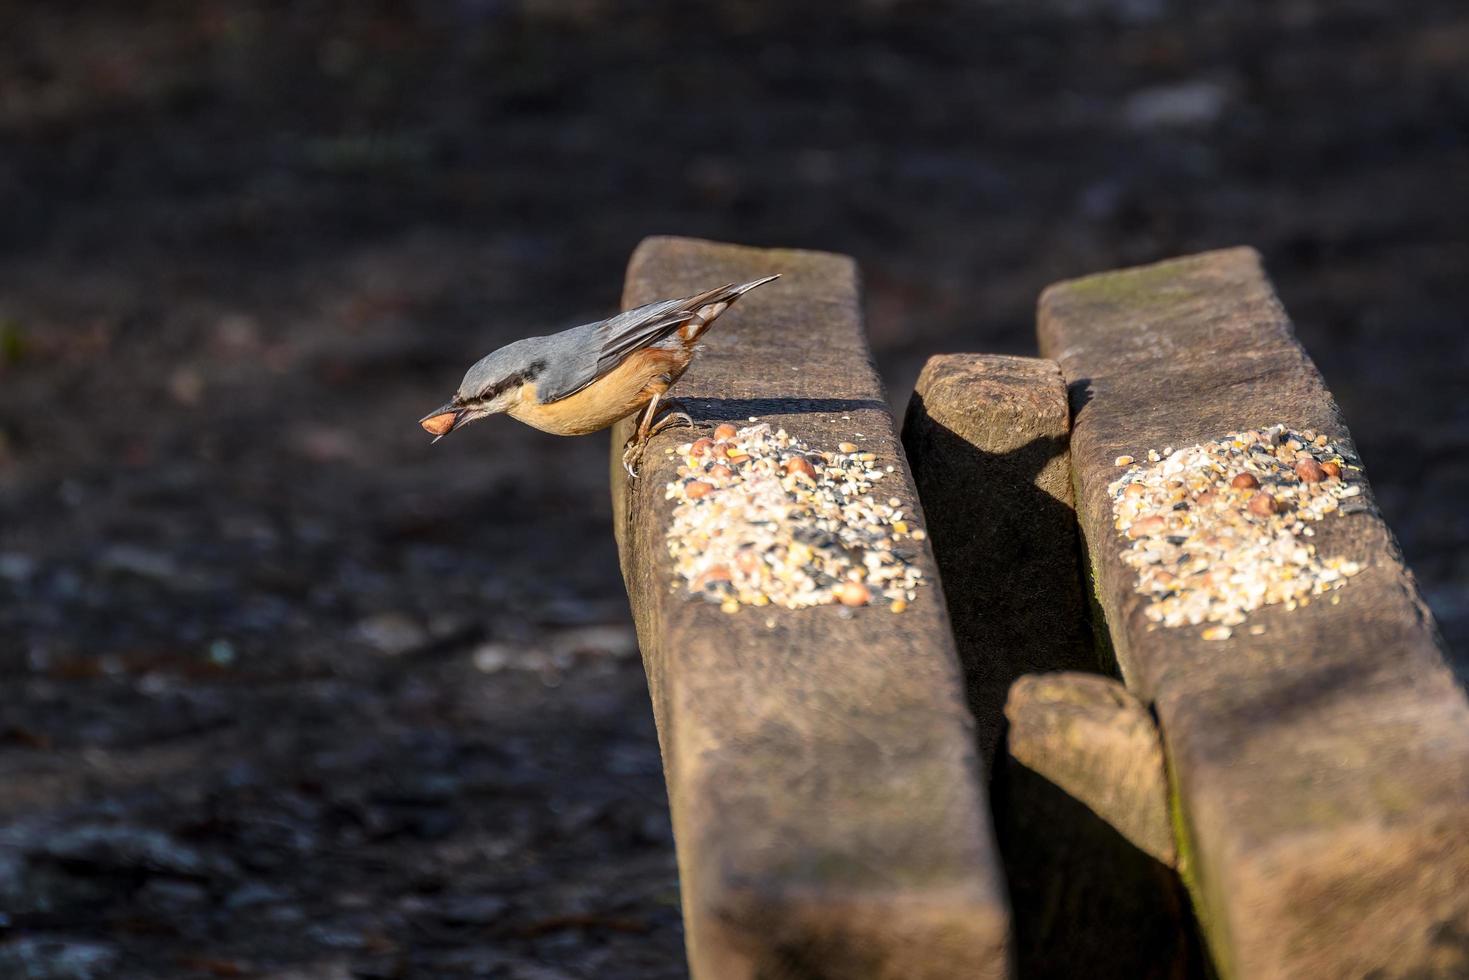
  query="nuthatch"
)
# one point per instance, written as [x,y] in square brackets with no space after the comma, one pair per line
[586,378]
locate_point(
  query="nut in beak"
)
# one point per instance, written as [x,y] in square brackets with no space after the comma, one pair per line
[441,422]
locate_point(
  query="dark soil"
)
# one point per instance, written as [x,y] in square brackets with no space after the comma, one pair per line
[287,691]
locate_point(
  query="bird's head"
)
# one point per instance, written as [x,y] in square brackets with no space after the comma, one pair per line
[493,385]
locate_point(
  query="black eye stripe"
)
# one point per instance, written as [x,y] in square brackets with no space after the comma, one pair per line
[513,381]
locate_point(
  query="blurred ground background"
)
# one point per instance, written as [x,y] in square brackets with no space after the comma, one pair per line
[284,690]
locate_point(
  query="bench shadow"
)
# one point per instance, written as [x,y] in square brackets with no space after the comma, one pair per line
[1009,558]
[720,409]
[1086,902]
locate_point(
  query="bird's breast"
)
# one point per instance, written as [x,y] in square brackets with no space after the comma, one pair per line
[612,397]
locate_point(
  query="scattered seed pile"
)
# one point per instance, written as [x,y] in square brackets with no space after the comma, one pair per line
[763,519]
[1220,529]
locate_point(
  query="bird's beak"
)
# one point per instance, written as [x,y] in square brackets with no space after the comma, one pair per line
[442,421]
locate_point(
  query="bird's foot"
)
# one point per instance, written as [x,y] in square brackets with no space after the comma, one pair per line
[632,452]
[668,420]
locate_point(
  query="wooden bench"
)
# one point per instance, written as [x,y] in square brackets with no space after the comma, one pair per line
[821,768]
[1308,771]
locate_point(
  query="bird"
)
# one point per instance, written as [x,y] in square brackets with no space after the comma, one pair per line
[586,378]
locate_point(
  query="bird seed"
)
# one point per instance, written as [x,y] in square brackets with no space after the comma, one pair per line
[1220,529]
[763,519]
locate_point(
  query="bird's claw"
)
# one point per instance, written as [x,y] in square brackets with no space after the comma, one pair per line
[631,454]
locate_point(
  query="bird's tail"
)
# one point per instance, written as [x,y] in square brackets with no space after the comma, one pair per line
[708,305]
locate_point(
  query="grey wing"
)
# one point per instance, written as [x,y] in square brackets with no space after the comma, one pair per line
[588,352]
[639,328]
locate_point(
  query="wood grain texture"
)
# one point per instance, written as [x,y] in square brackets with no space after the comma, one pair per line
[821,770]
[1322,768]
[987,438]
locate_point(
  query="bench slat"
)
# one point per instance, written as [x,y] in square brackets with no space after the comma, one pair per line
[1322,767]
[820,763]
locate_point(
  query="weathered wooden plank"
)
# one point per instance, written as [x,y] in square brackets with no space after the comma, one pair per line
[986,436]
[1093,739]
[820,762]
[1321,768]
[1081,810]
